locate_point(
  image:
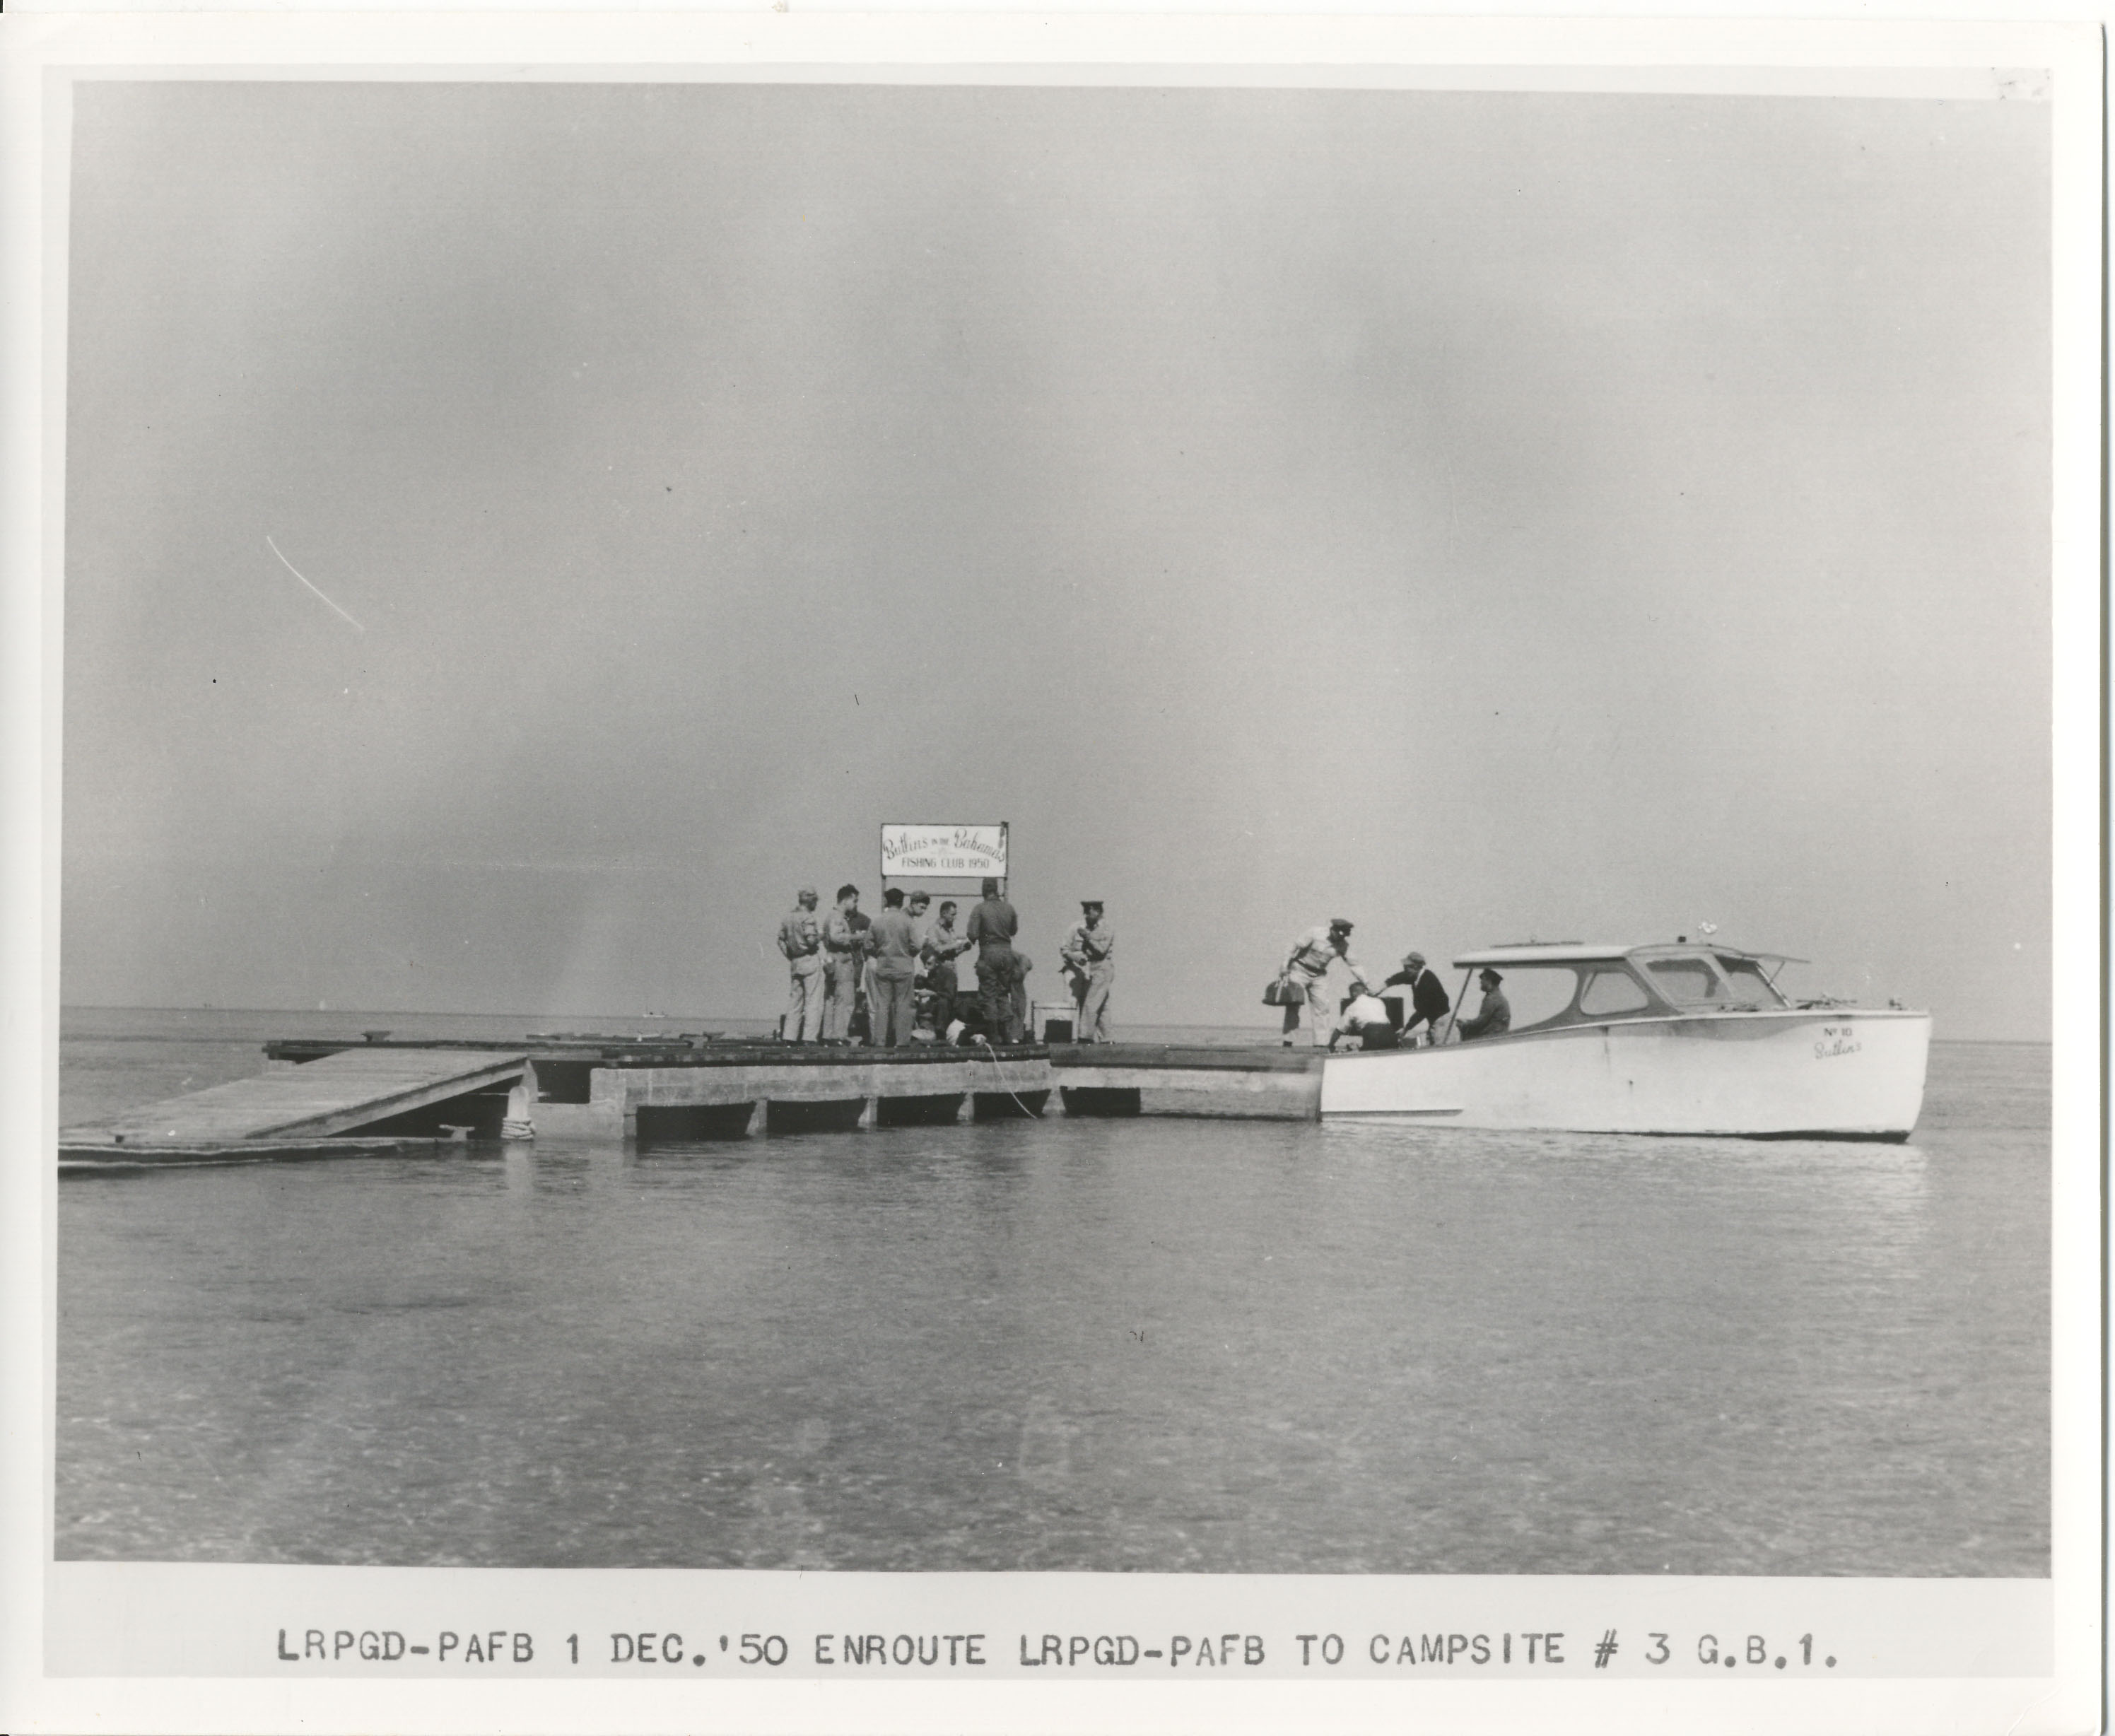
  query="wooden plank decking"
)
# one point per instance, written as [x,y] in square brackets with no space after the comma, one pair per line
[354,1088]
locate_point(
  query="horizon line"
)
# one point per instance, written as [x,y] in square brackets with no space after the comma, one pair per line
[1179,1024]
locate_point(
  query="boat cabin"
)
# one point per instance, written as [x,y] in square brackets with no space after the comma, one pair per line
[1567,983]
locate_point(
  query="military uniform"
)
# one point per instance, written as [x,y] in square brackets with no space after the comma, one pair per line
[1494,1018]
[840,953]
[800,939]
[1090,955]
[893,944]
[992,926]
[1308,967]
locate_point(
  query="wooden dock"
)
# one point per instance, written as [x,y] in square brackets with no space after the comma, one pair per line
[355,1089]
[323,1097]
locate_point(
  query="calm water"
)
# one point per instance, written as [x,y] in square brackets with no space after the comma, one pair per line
[1154,1344]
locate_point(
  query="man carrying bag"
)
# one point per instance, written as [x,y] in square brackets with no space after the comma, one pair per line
[1305,969]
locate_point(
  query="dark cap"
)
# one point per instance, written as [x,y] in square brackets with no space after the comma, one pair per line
[1090,903]
[1487,972]
[1340,922]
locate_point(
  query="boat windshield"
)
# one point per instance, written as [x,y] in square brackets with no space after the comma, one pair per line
[1721,982]
[1752,988]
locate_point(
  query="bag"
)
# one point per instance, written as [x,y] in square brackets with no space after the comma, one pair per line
[1283,992]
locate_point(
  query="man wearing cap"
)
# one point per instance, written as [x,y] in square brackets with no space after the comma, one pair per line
[840,957]
[1494,1018]
[1089,953]
[800,939]
[1427,1002]
[1307,967]
[992,926]
[892,944]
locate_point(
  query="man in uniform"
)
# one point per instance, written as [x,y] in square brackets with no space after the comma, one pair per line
[992,926]
[1427,1002]
[800,939]
[1089,953]
[943,946]
[1306,968]
[840,957]
[892,945]
[1023,1031]
[1494,1018]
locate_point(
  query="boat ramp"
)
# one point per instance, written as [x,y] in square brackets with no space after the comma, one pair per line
[334,1098]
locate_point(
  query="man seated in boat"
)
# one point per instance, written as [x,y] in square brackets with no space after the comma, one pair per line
[1494,1018]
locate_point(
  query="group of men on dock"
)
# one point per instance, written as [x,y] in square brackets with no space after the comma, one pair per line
[1370,1016]
[856,978]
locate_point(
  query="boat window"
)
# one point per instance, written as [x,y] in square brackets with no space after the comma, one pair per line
[1688,981]
[1750,986]
[1536,993]
[1608,992]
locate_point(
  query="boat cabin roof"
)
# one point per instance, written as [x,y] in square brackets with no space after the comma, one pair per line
[1580,952]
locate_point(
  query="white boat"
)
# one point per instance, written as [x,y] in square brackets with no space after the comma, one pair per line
[1659,1039]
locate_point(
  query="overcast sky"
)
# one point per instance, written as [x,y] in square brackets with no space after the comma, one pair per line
[1480,515]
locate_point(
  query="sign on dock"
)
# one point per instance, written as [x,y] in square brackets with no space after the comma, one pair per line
[945,852]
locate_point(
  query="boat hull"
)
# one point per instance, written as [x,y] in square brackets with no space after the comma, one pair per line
[1838,1073]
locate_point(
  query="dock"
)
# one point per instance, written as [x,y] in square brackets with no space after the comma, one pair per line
[357,1089]
[319,1097]
[1255,1083]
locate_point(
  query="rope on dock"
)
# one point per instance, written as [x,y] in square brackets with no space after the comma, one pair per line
[1010,1091]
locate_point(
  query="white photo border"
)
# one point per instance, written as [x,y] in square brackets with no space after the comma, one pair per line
[118,1618]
